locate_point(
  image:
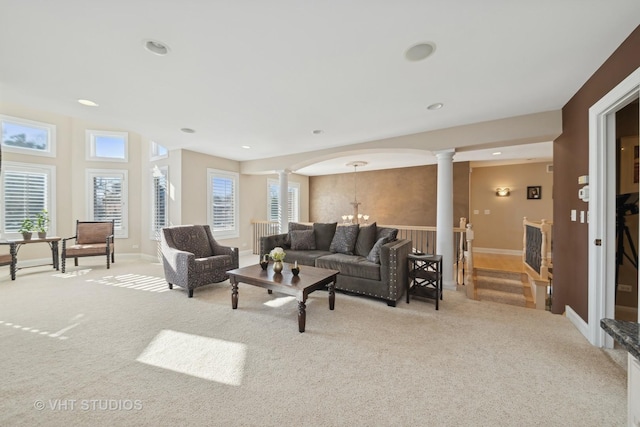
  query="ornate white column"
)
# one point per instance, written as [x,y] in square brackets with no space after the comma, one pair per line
[444,219]
[283,209]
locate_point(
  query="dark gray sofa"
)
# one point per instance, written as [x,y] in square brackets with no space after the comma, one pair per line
[359,271]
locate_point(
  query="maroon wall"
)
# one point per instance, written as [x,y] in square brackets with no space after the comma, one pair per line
[571,160]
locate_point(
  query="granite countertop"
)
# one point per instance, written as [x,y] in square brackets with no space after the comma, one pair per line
[627,334]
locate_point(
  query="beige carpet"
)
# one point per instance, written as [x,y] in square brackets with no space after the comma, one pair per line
[114,347]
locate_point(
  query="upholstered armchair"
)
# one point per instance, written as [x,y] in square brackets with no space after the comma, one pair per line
[93,238]
[192,258]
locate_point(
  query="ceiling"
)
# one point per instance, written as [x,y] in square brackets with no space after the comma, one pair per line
[267,74]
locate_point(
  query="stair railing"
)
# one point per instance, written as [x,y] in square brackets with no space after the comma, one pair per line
[536,247]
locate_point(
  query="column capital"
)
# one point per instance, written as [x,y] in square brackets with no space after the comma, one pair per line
[283,171]
[445,154]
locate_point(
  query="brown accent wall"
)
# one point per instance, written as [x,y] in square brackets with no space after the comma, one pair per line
[405,196]
[571,159]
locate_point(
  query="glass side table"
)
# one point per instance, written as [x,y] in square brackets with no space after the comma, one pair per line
[425,277]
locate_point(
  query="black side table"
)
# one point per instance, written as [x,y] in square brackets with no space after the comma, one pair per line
[425,276]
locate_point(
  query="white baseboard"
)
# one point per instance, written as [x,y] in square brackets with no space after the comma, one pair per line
[577,321]
[498,251]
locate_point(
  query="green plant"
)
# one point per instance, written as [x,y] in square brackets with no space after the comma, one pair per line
[42,221]
[27,226]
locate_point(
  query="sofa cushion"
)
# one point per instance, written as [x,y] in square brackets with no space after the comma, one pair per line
[293,226]
[305,257]
[366,239]
[324,234]
[344,241]
[350,265]
[303,240]
[374,255]
[391,233]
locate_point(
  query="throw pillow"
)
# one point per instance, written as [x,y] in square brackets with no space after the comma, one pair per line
[303,240]
[374,255]
[366,239]
[391,233]
[293,226]
[344,241]
[324,235]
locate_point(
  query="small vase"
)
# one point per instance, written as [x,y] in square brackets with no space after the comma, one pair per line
[277,267]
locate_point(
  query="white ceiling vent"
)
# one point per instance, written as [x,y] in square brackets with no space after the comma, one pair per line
[550,168]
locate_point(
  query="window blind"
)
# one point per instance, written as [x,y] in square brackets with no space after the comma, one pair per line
[107,199]
[273,198]
[224,204]
[25,195]
[160,202]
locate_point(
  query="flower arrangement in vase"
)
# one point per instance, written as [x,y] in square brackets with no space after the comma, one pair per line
[277,254]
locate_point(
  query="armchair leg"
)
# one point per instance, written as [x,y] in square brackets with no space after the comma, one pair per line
[190,293]
[76,261]
[63,263]
[108,265]
[170,285]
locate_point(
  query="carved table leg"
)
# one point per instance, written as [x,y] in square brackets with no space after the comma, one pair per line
[234,293]
[332,295]
[302,316]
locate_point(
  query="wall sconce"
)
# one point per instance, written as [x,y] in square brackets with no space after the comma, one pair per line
[502,192]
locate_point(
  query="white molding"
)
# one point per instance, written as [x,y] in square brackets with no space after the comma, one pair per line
[601,259]
[577,321]
[246,252]
[497,251]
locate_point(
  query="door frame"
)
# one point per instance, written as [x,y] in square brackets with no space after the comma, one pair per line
[602,202]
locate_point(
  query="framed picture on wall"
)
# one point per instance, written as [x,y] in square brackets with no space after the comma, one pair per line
[534,192]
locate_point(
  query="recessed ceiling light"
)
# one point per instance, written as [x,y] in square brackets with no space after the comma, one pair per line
[246,147]
[87,102]
[188,130]
[317,131]
[156,47]
[420,51]
[496,153]
[436,106]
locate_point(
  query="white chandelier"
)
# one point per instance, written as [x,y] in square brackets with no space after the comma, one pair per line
[356,217]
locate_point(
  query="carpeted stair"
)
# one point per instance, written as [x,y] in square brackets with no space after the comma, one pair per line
[500,286]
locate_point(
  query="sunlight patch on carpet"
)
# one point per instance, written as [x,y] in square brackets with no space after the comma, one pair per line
[134,281]
[279,302]
[37,331]
[71,274]
[203,357]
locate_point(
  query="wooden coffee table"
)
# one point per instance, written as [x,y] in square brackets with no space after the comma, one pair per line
[309,280]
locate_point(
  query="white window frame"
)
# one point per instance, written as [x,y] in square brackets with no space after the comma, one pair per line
[121,232]
[235,177]
[164,171]
[155,151]
[91,145]
[50,150]
[295,210]
[50,202]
